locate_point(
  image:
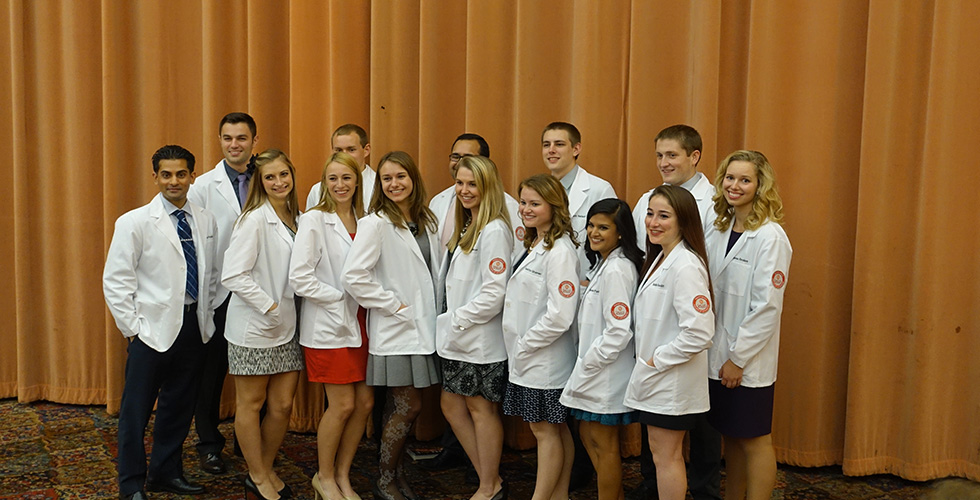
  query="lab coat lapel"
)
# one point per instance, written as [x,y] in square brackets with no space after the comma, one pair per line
[163,223]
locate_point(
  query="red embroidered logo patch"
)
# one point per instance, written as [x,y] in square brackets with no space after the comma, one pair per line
[778,279]
[566,289]
[701,304]
[519,232]
[497,266]
[620,310]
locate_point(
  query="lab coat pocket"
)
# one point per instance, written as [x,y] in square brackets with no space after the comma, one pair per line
[464,268]
[267,325]
[529,292]
[399,325]
[737,276]
[584,385]
[334,316]
[654,305]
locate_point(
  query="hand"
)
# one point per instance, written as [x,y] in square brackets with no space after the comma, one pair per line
[731,375]
[400,307]
[584,283]
[275,305]
[651,363]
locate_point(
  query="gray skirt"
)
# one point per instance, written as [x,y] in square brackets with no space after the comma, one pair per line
[283,358]
[417,370]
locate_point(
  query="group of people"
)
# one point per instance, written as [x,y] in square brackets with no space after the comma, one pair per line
[561,306]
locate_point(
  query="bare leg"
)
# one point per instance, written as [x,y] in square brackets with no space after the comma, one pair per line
[735,471]
[250,394]
[609,464]
[760,467]
[665,445]
[278,408]
[363,405]
[555,454]
[340,406]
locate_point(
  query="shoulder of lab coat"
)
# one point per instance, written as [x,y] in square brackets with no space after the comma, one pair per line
[493,244]
[561,266]
[639,218]
[240,258]
[321,243]
[769,251]
[359,274]
[618,286]
[688,279]
[314,197]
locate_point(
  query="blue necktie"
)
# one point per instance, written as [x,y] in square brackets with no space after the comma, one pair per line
[190,255]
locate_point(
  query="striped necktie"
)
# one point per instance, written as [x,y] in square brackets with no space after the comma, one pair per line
[190,255]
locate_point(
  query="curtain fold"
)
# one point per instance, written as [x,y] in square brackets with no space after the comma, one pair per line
[866,109]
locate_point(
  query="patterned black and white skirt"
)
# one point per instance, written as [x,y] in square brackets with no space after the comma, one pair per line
[534,405]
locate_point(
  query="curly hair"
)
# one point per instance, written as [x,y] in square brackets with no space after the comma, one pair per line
[553,193]
[766,205]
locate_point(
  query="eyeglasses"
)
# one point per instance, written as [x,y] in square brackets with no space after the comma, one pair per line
[456,156]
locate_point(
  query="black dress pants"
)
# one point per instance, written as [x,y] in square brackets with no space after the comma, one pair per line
[207,414]
[169,378]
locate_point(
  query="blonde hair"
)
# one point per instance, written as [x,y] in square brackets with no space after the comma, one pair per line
[327,203]
[418,209]
[492,205]
[256,189]
[553,193]
[766,205]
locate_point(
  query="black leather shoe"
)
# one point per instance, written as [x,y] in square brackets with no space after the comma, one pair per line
[177,485]
[448,458]
[212,463]
[139,495]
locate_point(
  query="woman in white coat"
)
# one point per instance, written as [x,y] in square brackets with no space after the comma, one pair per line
[595,390]
[469,336]
[264,356]
[539,309]
[332,326]
[393,270]
[673,328]
[750,256]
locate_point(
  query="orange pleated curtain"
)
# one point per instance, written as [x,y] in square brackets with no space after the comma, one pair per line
[867,109]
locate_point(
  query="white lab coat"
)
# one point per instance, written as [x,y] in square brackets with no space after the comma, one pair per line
[749,285]
[257,271]
[585,191]
[213,191]
[384,270]
[539,311]
[674,325]
[605,344]
[444,206]
[329,316]
[367,189]
[703,191]
[471,328]
[145,276]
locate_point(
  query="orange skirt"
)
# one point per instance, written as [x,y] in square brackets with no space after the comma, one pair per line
[344,365]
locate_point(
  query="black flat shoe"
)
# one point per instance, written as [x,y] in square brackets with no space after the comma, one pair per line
[285,492]
[136,495]
[177,485]
[212,463]
[502,493]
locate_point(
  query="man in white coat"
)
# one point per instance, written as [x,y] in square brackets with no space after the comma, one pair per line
[678,149]
[159,282]
[222,191]
[353,140]
[561,143]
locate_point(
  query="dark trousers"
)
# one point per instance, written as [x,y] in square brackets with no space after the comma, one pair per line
[704,469]
[170,378]
[207,414]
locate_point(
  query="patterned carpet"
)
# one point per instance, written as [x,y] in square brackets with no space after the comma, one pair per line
[52,451]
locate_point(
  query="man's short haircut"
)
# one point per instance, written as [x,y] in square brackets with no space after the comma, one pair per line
[573,134]
[234,118]
[484,147]
[348,129]
[686,135]
[172,152]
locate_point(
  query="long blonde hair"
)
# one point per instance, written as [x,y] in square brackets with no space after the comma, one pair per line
[492,205]
[418,207]
[553,193]
[766,205]
[256,189]
[327,203]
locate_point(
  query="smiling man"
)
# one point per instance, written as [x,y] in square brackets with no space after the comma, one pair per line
[159,281]
[678,150]
[561,144]
[222,191]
